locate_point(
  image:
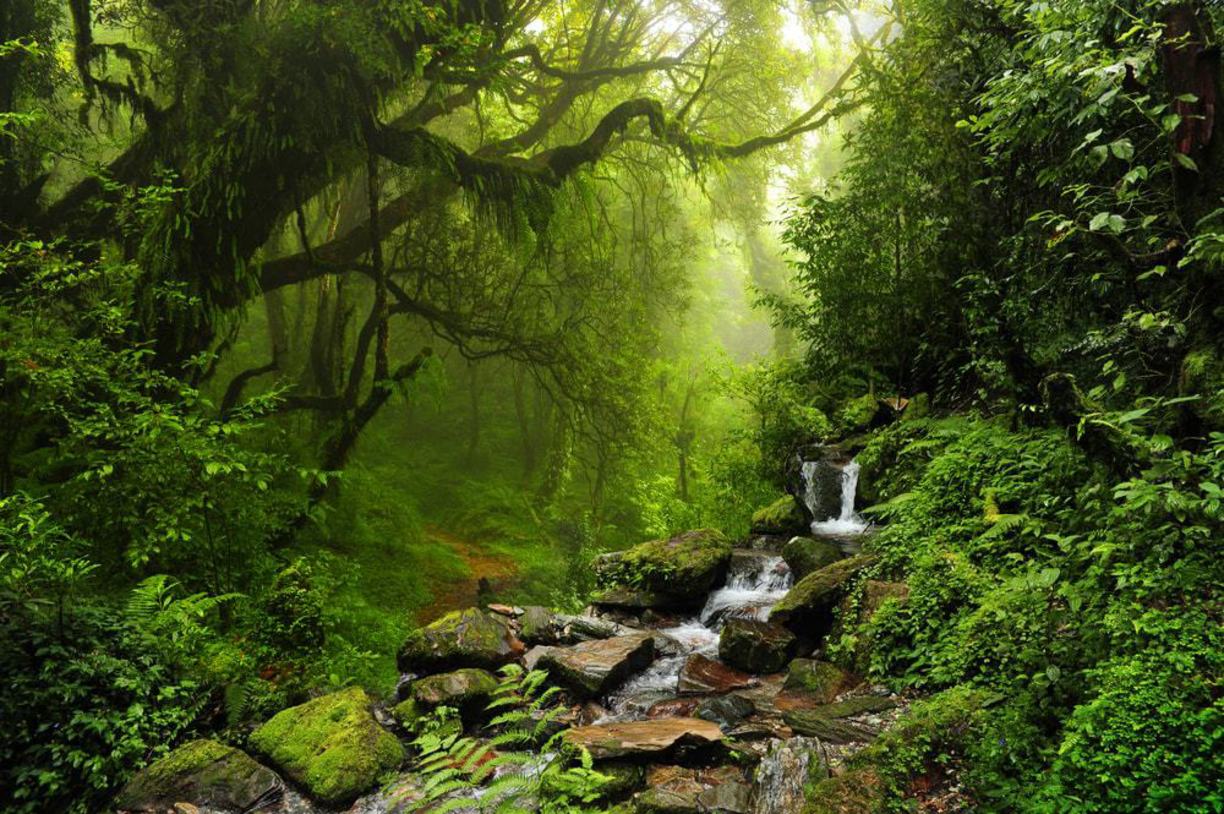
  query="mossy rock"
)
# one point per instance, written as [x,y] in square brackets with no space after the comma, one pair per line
[819,679]
[858,414]
[686,566]
[537,625]
[621,779]
[755,647]
[807,554]
[203,773]
[815,723]
[463,638]
[331,745]
[463,687]
[856,791]
[808,607]
[783,516]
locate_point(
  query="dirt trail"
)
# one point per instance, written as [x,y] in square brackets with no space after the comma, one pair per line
[500,571]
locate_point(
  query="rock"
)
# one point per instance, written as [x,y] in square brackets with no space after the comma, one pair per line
[857,789]
[677,789]
[640,738]
[786,772]
[408,714]
[465,688]
[701,675]
[756,647]
[531,659]
[859,414]
[673,708]
[807,554]
[813,476]
[783,516]
[668,800]
[686,566]
[819,679]
[830,730]
[597,667]
[727,798]
[628,598]
[828,724]
[586,628]
[331,745]
[537,625]
[808,606]
[466,638]
[201,773]
[505,610]
[725,710]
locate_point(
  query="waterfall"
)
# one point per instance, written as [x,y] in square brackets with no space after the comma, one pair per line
[847,521]
[754,585]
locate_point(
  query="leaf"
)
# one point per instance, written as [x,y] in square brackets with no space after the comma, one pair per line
[1123,149]
[1186,161]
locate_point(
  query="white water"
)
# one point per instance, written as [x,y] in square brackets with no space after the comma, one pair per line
[848,521]
[750,592]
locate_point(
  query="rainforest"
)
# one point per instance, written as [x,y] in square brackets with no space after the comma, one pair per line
[611,406]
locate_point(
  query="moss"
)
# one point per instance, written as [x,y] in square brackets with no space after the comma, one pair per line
[463,687]
[783,516]
[809,604]
[805,555]
[463,638]
[203,772]
[408,713]
[858,791]
[331,745]
[857,414]
[817,678]
[687,565]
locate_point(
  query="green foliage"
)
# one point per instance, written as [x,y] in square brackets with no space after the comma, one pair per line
[1087,607]
[524,766]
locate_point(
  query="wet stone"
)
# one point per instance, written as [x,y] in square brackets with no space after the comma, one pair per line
[595,668]
[701,675]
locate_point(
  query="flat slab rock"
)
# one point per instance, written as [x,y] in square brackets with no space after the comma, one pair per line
[597,667]
[701,675]
[633,738]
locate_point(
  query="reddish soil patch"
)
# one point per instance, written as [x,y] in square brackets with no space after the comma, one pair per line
[497,571]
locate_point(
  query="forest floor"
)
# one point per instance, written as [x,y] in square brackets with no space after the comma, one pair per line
[500,571]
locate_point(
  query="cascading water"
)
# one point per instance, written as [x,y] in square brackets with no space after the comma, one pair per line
[848,521]
[754,585]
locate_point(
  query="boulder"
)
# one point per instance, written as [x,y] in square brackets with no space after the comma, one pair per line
[755,647]
[686,566]
[465,687]
[829,722]
[537,625]
[597,667]
[820,680]
[331,745]
[585,628]
[808,606]
[682,790]
[621,597]
[464,638]
[786,773]
[201,773]
[531,659]
[876,593]
[813,475]
[643,738]
[725,710]
[783,516]
[701,675]
[807,554]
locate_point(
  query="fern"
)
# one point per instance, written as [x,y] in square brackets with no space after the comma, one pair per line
[504,772]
